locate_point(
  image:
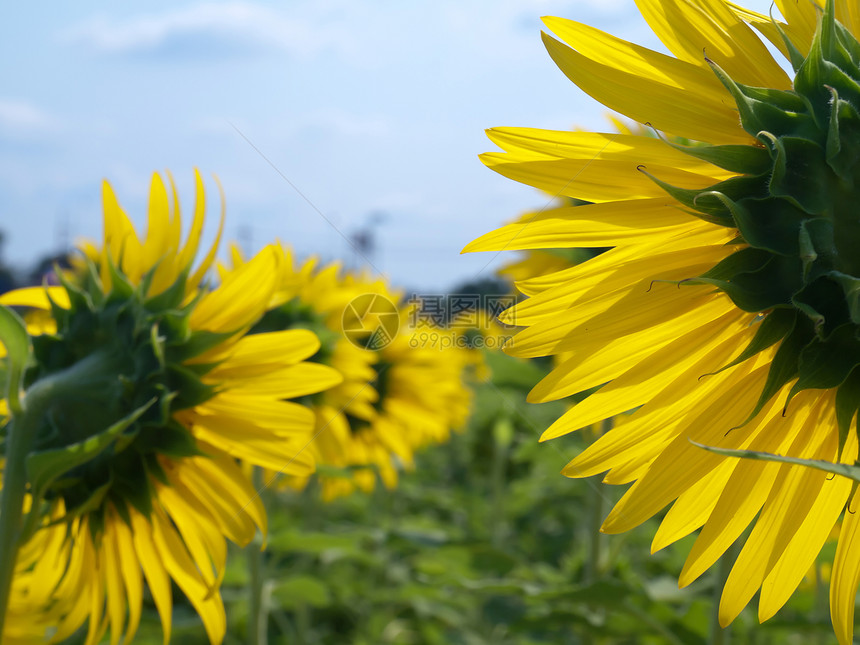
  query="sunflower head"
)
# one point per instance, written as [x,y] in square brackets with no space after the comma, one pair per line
[128,350]
[793,204]
[141,392]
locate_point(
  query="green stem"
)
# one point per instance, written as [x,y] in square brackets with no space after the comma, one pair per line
[653,623]
[11,502]
[497,478]
[19,438]
[21,432]
[718,634]
[257,615]
[598,509]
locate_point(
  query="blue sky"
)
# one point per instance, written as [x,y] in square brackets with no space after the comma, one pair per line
[366,107]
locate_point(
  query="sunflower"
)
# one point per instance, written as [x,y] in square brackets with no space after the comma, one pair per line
[394,398]
[157,370]
[726,311]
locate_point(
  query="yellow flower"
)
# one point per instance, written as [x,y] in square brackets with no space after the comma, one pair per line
[191,393]
[392,401]
[726,311]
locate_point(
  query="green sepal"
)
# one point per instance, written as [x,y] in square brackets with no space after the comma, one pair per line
[826,364]
[744,160]
[122,510]
[795,56]
[776,111]
[170,298]
[146,280]
[190,389]
[707,203]
[197,343]
[783,368]
[774,327]
[847,404]
[800,174]
[120,288]
[846,470]
[153,468]
[14,336]
[79,300]
[754,279]
[132,485]
[172,440]
[45,466]
[96,498]
[156,343]
[817,248]
[769,224]
[843,138]
[850,49]
[822,300]
[831,62]
[851,288]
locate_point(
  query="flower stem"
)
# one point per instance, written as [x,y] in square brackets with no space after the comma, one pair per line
[19,439]
[20,434]
[11,503]
[722,635]
[598,509]
[257,612]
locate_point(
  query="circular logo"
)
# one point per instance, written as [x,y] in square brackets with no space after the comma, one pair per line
[370,321]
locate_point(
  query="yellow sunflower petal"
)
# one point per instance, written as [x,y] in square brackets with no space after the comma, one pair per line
[156,575]
[845,574]
[674,96]
[182,569]
[36,297]
[709,28]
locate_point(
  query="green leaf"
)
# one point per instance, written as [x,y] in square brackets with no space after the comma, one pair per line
[13,334]
[45,466]
[602,593]
[846,470]
[300,591]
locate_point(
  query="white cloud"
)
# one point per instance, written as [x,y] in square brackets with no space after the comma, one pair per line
[20,119]
[203,28]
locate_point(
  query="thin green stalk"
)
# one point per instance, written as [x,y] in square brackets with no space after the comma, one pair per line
[258,618]
[19,436]
[719,635]
[502,434]
[596,539]
[20,433]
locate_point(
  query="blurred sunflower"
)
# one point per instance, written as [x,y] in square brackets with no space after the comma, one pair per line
[159,372]
[393,399]
[727,311]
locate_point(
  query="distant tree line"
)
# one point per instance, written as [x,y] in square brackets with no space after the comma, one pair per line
[12,277]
